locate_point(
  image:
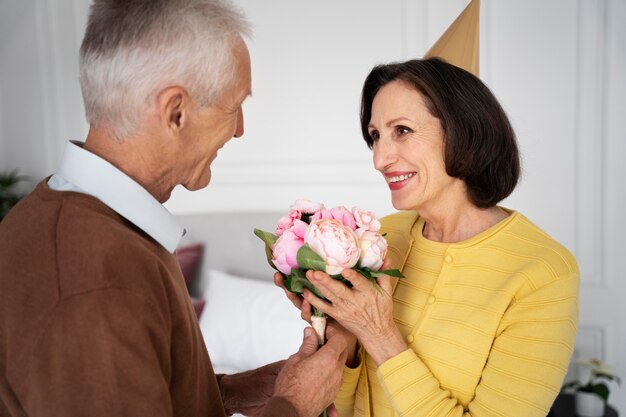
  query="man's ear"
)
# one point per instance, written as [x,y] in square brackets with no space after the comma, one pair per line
[174,105]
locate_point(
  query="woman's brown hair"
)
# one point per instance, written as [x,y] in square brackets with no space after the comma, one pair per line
[479,143]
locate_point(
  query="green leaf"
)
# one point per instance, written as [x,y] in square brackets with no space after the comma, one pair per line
[370,276]
[607,376]
[367,273]
[601,390]
[8,197]
[9,179]
[296,282]
[307,259]
[269,239]
[572,384]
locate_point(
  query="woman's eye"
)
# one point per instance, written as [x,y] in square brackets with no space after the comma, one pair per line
[403,130]
[374,135]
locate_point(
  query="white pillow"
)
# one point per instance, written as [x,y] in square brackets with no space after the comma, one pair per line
[247,323]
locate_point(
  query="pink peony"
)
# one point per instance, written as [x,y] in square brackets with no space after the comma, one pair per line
[306,206]
[286,222]
[339,213]
[373,247]
[285,250]
[366,219]
[335,242]
[299,228]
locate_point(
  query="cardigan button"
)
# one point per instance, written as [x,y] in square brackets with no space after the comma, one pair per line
[410,338]
[431,299]
[448,259]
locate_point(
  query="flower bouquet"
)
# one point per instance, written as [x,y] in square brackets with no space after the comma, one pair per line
[310,236]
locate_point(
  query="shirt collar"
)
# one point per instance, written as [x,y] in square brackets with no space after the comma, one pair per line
[101,179]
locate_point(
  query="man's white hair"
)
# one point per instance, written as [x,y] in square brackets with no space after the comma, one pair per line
[134,48]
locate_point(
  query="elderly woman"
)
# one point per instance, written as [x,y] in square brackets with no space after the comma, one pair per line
[485,320]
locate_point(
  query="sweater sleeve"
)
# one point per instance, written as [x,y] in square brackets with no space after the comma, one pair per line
[344,402]
[524,371]
[103,353]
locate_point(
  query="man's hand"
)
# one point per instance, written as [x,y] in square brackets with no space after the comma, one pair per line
[311,378]
[247,392]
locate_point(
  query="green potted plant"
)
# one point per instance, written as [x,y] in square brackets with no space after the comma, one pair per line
[8,196]
[591,396]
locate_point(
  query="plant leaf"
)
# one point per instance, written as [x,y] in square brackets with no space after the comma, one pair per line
[307,259]
[607,376]
[296,282]
[370,276]
[367,273]
[9,179]
[602,390]
[269,239]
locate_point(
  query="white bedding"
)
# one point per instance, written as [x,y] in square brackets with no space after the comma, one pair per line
[247,323]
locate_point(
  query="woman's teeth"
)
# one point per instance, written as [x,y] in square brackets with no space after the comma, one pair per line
[399,178]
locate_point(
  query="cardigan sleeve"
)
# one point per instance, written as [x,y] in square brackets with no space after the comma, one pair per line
[344,402]
[524,371]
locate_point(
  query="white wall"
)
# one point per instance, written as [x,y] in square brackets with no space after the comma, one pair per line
[40,96]
[557,66]
[2,151]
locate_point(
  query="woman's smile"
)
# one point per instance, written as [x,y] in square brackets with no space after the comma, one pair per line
[398,179]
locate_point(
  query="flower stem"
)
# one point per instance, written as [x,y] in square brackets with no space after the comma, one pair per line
[318,321]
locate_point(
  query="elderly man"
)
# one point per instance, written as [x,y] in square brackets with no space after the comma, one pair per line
[95,317]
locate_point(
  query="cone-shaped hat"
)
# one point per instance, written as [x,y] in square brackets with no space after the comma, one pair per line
[459,44]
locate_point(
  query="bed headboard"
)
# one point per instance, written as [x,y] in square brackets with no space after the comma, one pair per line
[229,242]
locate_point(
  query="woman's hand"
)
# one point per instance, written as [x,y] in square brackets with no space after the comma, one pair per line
[301,304]
[362,310]
[305,312]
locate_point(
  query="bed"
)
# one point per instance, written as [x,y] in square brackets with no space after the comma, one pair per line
[246,320]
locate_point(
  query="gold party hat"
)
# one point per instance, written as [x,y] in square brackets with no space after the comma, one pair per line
[459,44]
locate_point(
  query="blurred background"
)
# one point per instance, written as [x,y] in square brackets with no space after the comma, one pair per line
[558,67]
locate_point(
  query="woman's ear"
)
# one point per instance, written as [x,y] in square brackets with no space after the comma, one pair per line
[173,108]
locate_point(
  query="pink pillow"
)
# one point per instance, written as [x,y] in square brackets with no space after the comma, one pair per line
[189,258]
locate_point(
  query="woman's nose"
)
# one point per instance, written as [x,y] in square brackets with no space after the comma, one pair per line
[384,154]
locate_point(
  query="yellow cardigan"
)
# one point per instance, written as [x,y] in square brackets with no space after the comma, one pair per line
[490,323]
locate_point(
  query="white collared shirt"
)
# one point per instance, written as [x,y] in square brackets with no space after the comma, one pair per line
[84,172]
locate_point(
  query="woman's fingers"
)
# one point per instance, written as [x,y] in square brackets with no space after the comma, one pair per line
[306,311]
[386,284]
[358,281]
[329,287]
[386,264]
[279,281]
[318,303]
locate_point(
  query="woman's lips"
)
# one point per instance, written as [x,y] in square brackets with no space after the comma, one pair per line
[398,179]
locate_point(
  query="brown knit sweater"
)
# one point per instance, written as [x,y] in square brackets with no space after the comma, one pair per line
[95,319]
